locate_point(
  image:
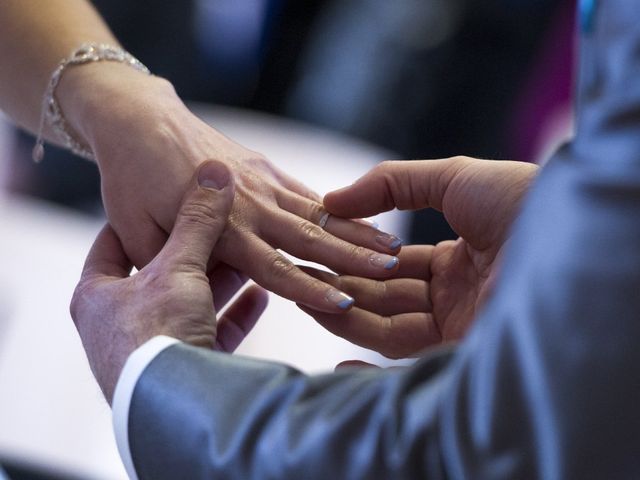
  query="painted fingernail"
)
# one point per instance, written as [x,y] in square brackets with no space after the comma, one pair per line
[339,299]
[383,261]
[388,240]
[213,175]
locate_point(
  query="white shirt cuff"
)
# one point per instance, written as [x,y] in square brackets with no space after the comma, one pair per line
[136,363]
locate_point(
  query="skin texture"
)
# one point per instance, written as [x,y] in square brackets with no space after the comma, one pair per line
[173,294]
[148,146]
[437,290]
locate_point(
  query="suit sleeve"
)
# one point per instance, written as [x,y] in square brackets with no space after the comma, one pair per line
[546,385]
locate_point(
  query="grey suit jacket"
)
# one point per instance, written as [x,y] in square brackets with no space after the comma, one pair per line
[546,385]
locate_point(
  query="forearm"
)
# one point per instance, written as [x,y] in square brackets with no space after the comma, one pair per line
[34,37]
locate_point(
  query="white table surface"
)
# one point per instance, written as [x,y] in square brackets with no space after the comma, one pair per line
[51,410]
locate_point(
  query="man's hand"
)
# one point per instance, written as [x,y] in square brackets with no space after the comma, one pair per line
[438,289]
[148,144]
[115,313]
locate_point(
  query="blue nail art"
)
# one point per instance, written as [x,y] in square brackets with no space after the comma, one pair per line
[346,303]
[339,299]
[391,263]
[395,244]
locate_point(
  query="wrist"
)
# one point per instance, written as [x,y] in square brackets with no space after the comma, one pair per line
[108,360]
[109,369]
[102,100]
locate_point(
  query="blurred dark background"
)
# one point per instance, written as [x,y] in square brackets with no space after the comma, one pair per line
[423,78]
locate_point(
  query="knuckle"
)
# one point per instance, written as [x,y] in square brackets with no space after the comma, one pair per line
[200,213]
[389,170]
[357,253]
[386,166]
[381,291]
[310,234]
[311,195]
[278,267]
[394,179]
[257,161]
[315,211]
[393,346]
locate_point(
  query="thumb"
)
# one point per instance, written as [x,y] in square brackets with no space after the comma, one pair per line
[202,217]
[407,185]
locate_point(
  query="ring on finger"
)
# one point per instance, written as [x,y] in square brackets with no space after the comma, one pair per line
[324,219]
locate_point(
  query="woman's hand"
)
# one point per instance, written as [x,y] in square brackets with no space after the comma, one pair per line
[437,290]
[148,144]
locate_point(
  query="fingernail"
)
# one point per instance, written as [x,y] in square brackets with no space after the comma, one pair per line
[213,175]
[385,261]
[388,240]
[339,299]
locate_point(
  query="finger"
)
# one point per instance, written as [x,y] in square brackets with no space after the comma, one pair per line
[365,235]
[415,262]
[225,281]
[357,232]
[395,336]
[355,364]
[236,323]
[407,185]
[273,271]
[106,257]
[384,297]
[202,217]
[307,241]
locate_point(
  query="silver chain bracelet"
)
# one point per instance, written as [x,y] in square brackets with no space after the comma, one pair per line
[51,111]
